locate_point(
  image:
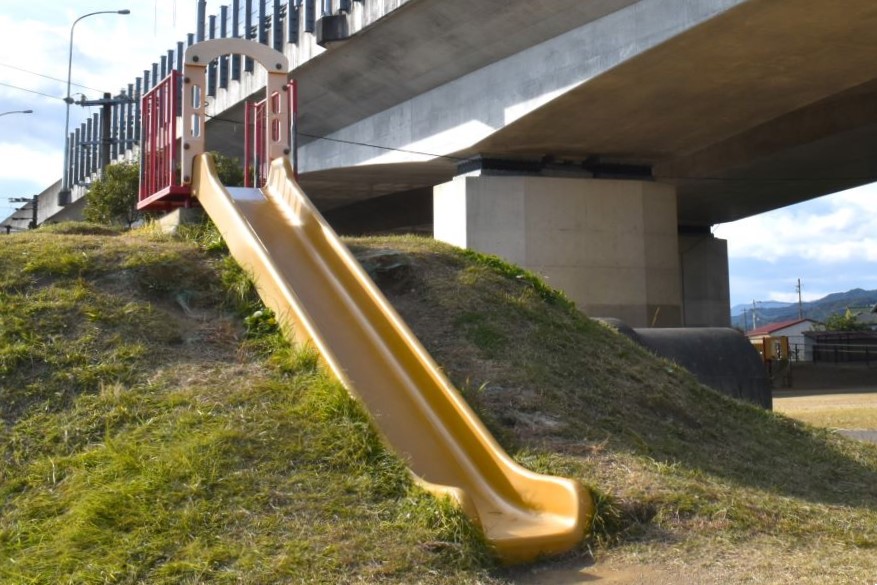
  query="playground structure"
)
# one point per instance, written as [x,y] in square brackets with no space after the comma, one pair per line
[321,295]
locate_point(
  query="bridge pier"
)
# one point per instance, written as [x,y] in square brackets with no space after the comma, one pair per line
[610,245]
[703,261]
[613,246]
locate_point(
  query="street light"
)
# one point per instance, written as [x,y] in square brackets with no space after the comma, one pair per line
[17,112]
[64,193]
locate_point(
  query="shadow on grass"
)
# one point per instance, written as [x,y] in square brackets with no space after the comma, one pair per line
[564,379]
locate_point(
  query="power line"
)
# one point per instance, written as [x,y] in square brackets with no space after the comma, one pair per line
[351,142]
[23,70]
[658,178]
[54,97]
[405,150]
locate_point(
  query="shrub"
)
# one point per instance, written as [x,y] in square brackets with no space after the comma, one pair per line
[112,199]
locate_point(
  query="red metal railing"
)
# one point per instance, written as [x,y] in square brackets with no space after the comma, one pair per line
[256,160]
[160,184]
[255,148]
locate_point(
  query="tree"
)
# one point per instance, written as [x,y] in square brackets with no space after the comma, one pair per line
[112,199]
[229,170]
[844,322]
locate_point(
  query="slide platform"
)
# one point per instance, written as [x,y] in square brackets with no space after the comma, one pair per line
[321,294]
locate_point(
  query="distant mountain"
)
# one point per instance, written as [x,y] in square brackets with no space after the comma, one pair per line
[768,312]
[738,309]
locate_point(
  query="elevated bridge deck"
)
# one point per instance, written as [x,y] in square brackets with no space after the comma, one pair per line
[698,111]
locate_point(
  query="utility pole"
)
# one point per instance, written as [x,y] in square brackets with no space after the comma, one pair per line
[800,305]
[753,315]
[34,218]
[106,141]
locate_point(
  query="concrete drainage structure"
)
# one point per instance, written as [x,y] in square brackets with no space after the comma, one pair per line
[719,357]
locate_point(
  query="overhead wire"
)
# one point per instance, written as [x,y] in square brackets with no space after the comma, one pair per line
[9,85]
[404,150]
[352,142]
[28,71]
[663,177]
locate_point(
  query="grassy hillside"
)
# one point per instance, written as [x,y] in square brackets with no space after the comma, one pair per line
[156,429]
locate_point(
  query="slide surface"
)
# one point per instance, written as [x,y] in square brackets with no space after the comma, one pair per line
[318,290]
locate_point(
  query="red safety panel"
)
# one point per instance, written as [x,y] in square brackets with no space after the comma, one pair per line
[160,185]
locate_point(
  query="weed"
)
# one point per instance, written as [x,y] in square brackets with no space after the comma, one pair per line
[511,271]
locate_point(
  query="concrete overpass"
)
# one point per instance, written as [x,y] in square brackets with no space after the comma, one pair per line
[743,106]
[708,111]
[595,142]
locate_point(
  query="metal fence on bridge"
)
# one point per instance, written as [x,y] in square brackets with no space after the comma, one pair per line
[276,23]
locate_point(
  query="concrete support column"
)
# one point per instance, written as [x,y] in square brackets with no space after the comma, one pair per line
[610,245]
[705,290]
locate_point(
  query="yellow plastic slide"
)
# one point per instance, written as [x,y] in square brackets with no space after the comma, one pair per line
[306,275]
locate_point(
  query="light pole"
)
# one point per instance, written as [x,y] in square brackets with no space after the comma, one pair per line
[17,112]
[64,194]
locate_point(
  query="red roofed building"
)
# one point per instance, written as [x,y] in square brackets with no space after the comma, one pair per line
[800,347]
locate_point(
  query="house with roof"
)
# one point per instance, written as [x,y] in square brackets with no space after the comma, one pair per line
[800,346]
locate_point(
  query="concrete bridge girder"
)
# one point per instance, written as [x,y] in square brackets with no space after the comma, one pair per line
[722,98]
[398,49]
[662,82]
[477,112]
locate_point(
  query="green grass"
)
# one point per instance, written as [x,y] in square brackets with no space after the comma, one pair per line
[155,428]
[143,441]
[680,470]
[219,482]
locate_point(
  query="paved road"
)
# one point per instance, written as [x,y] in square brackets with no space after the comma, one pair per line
[861,435]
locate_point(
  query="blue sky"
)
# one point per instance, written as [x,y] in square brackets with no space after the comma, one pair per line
[110,51]
[829,243]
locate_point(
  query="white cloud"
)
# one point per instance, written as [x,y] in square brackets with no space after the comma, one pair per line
[792,297]
[110,51]
[863,199]
[841,227]
[28,162]
[28,44]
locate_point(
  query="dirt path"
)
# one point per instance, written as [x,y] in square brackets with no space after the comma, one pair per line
[576,573]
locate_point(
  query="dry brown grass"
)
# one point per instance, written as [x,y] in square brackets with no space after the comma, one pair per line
[835,411]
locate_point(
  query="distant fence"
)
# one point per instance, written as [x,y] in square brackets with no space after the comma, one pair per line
[836,353]
[842,347]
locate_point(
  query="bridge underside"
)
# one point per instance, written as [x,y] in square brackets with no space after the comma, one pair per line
[765,104]
[736,107]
